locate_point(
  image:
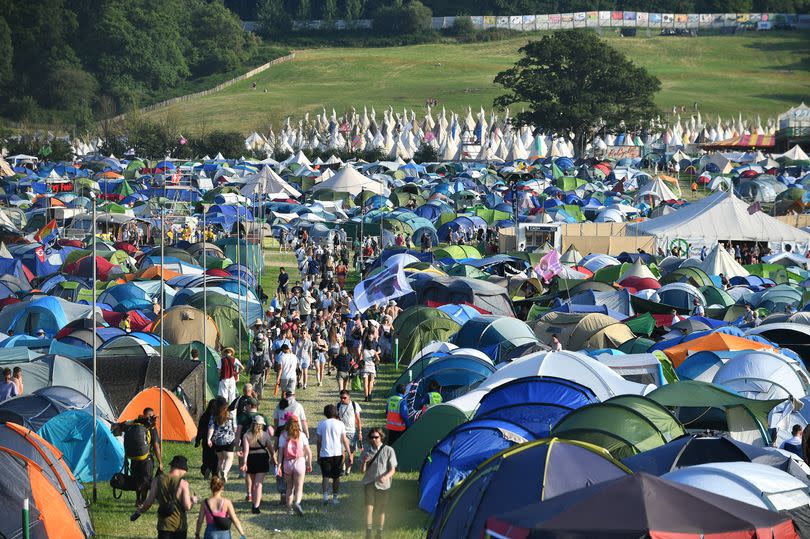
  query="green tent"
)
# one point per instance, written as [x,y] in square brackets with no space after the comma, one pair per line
[414,316]
[694,276]
[183,351]
[643,324]
[716,296]
[415,443]
[777,272]
[132,169]
[701,405]
[569,183]
[625,425]
[465,270]
[413,338]
[124,189]
[639,345]
[445,217]
[492,216]
[456,252]
[610,274]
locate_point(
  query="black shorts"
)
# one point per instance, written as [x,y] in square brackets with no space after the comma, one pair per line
[142,471]
[258,462]
[376,497]
[331,467]
[226,448]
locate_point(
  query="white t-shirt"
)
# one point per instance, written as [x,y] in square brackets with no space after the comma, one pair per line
[330,433]
[288,363]
[295,408]
[346,413]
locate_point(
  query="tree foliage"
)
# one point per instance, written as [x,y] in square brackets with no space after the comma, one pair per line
[64,55]
[411,18]
[573,82]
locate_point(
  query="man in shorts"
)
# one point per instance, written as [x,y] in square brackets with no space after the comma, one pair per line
[332,444]
[288,365]
[349,414]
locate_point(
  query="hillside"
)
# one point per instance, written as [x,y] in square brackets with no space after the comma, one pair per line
[762,73]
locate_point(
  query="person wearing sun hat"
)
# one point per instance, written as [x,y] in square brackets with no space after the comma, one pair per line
[174,497]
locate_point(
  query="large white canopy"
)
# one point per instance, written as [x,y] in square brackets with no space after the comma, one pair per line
[720,217]
[348,180]
[720,261]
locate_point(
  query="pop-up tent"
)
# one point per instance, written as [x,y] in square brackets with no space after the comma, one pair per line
[175,425]
[71,432]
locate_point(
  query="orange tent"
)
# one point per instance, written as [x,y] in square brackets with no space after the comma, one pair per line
[712,342]
[178,424]
[153,273]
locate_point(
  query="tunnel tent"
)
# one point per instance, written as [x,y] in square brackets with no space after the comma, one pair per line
[578,331]
[416,442]
[460,452]
[535,403]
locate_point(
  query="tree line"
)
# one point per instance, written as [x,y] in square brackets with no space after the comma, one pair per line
[366,9]
[74,60]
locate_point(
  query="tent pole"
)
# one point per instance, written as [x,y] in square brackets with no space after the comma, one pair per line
[95,337]
[239,274]
[362,218]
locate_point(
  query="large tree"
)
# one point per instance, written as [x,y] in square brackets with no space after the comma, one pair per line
[573,82]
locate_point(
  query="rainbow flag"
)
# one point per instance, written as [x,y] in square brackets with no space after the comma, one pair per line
[47,233]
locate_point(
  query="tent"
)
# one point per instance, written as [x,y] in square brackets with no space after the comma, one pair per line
[437,290]
[176,423]
[460,452]
[749,482]
[762,375]
[33,410]
[792,335]
[416,442]
[701,405]
[694,449]
[720,217]
[640,505]
[184,324]
[48,313]
[33,447]
[494,335]
[49,514]
[535,403]
[526,473]
[348,180]
[640,368]
[582,330]
[71,432]
[623,425]
[712,341]
[720,261]
[414,334]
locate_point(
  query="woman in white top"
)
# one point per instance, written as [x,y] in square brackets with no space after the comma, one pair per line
[295,457]
[370,357]
[303,350]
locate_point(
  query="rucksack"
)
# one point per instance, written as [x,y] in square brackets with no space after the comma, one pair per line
[137,441]
[257,364]
[294,449]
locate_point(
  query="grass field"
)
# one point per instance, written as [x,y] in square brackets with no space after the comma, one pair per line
[404,520]
[755,73]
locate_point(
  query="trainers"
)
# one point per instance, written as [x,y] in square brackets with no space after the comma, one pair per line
[298,510]
[368,534]
[255,510]
[289,511]
[335,501]
[325,499]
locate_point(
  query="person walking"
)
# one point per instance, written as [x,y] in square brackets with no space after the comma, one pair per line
[174,498]
[257,446]
[394,424]
[344,363]
[221,438]
[335,341]
[229,370]
[296,460]
[303,351]
[321,351]
[379,464]
[370,358]
[332,445]
[288,365]
[209,455]
[349,415]
[218,513]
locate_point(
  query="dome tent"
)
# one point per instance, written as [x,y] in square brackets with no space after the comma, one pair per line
[177,424]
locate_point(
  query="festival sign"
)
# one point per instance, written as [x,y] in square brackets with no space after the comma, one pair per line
[642,19]
[623,152]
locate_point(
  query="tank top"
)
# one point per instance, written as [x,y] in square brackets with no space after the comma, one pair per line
[167,492]
[210,513]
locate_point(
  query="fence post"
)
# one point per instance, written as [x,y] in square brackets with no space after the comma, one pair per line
[26,520]
[396,353]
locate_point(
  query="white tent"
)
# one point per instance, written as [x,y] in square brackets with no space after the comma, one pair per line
[720,217]
[795,154]
[348,180]
[267,182]
[720,261]
[656,189]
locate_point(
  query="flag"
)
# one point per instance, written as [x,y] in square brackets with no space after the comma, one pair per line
[40,252]
[549,265]
[389,284]
[755,207]
[47,233]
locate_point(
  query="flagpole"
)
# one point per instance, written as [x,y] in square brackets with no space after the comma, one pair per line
[362,219]
[205,305]
[162,312]
[239,274]
[95,352]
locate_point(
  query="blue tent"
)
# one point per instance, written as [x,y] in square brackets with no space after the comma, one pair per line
[461,313]
[455,374]
[72,433]
[494,335]
[460,452]
[535,403]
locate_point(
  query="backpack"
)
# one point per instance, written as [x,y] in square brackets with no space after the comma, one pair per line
[294,449]
[137,441]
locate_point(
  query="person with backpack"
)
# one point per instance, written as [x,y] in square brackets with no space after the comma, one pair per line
[295,459]
[259,363]
[141,449]
[349,414]
[379,464]
[394,423]
[221,437]
[218,513]
[209,456]
[257,446]
[229,370]
[174,498]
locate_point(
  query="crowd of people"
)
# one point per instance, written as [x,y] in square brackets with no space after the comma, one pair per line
[307,336]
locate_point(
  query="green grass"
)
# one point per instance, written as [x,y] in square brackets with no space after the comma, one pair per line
[403,519]
[756,73]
